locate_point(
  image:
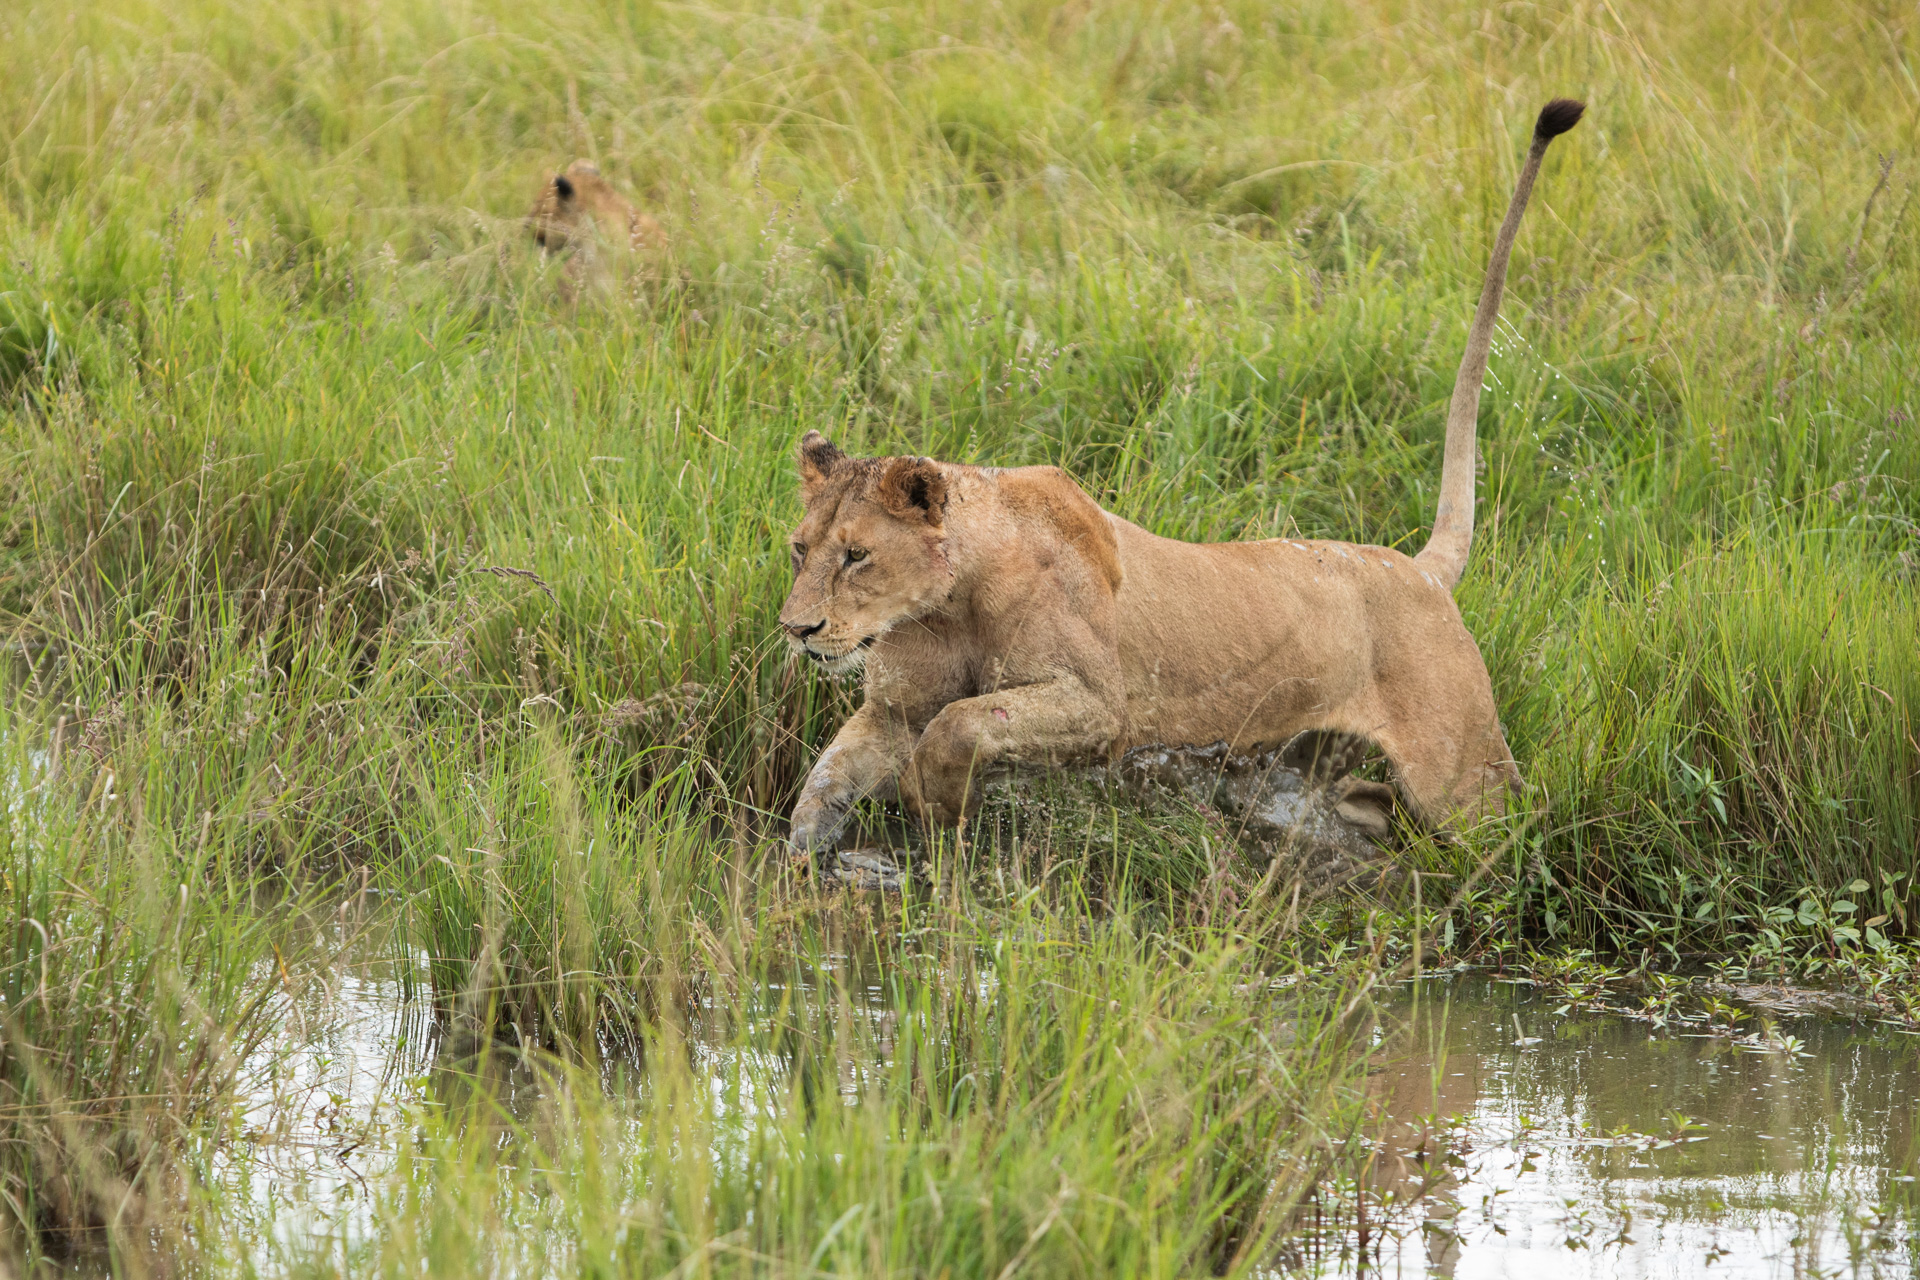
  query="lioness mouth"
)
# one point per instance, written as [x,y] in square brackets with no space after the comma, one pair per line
[818,656]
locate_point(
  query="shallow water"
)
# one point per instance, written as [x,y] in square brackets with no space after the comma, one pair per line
[325,1103]
[1529,1144]
[1519,1141]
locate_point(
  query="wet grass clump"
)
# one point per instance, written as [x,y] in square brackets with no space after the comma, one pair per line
[136,979]
[975,1084]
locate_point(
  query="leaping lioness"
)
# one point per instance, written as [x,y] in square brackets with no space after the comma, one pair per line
[1004,619]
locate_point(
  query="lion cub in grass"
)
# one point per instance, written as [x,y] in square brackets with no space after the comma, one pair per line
[1003,619]
[580,211]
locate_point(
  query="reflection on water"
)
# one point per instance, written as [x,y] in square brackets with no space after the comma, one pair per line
[1519,1142]
[358,1070]
[1525,1144]
[326,1102]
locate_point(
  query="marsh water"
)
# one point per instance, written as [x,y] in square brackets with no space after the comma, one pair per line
[1519,1140]
[1527,1143]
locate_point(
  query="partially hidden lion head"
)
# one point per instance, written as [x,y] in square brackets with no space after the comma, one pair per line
[581,207]
[870,554]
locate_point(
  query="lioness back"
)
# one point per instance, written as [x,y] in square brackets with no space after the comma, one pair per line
[1248,642]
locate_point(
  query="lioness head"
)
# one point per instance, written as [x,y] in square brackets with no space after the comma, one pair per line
[870,553]
[580,205]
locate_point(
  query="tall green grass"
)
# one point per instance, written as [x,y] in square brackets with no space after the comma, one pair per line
[978,1087]
[367,551]
[286,372]
[136,979]
[288,378]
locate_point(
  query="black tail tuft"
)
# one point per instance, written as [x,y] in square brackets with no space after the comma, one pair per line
[1557,117]
[564,185]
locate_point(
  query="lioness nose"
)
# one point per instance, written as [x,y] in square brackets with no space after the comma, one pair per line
[801,630]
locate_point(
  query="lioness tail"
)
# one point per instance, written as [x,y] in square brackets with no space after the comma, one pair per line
[1446,551]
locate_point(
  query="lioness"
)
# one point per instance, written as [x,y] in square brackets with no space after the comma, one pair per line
[1004,619]
[580,210]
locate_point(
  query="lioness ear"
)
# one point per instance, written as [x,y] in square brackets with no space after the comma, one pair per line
[914,487]
[818,458]
[563,185]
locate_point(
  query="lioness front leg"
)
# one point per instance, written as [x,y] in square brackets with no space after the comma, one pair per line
[864,757]
[1044,724]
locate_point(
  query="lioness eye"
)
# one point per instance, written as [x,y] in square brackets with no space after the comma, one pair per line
[856,554]
[799,550]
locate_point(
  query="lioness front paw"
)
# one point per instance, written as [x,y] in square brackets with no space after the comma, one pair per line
[815,827]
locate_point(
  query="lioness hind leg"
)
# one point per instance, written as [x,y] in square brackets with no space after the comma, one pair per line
[1324,759]
[1452,779]
[1365,806]
[1434,716]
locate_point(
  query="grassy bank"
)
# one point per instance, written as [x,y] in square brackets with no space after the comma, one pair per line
[353,544]
[134,987]
[286,379]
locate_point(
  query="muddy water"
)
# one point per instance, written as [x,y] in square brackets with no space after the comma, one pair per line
[1529,1144]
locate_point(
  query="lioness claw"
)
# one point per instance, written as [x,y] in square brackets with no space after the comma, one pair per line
[814,835]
